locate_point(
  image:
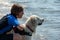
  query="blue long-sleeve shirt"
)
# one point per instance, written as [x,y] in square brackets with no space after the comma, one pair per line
[12,21]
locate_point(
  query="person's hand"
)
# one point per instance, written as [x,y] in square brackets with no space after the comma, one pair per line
[21,27]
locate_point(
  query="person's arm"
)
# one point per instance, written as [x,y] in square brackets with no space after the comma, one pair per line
[14,22]
[21,31]
[21,27]
[18,28]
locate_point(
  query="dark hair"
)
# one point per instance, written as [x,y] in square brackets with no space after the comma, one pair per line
[16,9]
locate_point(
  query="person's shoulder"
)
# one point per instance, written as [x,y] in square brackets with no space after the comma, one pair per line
[10,16]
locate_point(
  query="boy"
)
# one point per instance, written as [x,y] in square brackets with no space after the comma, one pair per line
[10,20]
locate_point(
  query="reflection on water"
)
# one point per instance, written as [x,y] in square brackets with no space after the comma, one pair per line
[48,9]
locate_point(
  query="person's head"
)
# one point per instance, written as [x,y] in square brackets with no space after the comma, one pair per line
[17,10]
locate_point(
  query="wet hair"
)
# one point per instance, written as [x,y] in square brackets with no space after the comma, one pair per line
[16,9]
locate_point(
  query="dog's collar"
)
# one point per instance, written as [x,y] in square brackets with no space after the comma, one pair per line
[29,28]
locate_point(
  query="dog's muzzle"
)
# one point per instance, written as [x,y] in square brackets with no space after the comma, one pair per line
[41,22]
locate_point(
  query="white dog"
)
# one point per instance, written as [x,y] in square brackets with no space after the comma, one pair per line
[30,26]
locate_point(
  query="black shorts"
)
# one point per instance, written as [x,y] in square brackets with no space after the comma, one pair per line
[6,37]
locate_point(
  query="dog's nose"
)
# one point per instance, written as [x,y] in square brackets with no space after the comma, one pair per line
[42,20]
[39,23]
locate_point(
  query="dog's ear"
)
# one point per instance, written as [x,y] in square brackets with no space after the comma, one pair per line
[33,20]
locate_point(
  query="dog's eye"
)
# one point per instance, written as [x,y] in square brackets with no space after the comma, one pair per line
[38,19]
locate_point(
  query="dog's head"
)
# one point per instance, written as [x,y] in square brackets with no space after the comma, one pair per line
[36,20]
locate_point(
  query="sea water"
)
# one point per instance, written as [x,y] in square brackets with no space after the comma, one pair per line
[48,9]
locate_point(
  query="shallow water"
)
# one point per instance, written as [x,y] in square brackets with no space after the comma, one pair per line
[48,9]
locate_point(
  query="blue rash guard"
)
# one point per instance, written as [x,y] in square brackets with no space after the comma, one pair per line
[12,21]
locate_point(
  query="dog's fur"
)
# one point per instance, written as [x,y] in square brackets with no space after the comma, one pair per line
[33,21]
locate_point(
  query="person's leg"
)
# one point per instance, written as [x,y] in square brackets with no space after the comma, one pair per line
[18,37]
[6,37]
